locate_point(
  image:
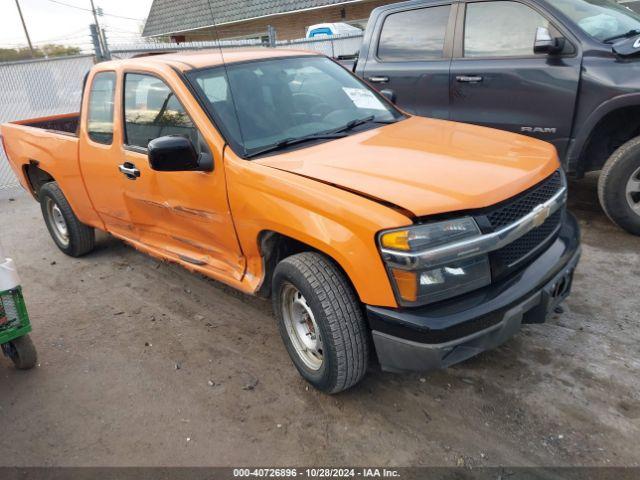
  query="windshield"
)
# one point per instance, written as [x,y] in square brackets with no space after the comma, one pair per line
[604,20]
[284,99]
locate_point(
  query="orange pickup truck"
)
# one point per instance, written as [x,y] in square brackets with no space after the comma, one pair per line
[378,235]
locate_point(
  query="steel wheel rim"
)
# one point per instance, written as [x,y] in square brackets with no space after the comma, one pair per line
[301,327]
[57,221]
[633,191]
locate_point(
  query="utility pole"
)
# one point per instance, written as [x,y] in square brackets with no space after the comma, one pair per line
[26,32]
[95,19]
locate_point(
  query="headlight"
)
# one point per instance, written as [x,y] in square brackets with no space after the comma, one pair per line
[416,279]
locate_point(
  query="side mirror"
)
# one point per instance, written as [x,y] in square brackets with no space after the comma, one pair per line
[177,154]
[545,43]
[389,95]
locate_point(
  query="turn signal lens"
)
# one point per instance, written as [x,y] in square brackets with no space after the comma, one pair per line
[397,240]
[407,284]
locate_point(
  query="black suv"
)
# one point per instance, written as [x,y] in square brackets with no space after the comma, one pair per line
[564,71]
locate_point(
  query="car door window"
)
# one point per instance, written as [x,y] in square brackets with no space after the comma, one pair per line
[501,29]
[152,110]
[414,35]
[100,114]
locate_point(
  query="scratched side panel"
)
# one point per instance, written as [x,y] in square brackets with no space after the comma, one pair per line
[185,214]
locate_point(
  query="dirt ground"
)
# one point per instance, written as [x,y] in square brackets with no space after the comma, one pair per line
[143,363]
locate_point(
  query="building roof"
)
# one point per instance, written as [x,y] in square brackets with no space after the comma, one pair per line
[170,16]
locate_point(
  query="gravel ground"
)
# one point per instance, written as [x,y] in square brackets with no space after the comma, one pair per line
[143,363]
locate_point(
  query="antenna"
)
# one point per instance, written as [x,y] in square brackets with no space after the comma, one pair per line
[226,72]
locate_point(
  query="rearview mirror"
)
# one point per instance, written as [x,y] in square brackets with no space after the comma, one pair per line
[176,154]
[545,43]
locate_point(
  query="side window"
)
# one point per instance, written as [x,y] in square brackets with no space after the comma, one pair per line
[500,29]
[414,35]
[151,110]
[101,101]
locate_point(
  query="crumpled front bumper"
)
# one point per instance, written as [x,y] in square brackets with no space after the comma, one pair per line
[438,336]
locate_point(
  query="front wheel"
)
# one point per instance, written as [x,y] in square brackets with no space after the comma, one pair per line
[321,322]
[22,352]
[619,186]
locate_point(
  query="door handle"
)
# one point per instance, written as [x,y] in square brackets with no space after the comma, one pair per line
[378,79]
[129,170]
[469,78]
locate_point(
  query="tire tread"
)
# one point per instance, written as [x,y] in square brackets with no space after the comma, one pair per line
[81,236]
[343,313]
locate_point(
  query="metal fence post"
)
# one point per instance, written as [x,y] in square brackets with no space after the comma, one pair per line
[106,53]
[271,32]
[95,38]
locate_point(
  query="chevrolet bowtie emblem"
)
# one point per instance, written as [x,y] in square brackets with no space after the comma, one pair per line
[540,214]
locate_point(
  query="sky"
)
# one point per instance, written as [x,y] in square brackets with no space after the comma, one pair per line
[64,21]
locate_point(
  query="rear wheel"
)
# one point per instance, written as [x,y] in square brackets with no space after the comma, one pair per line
[320,321]
[22,352]
[619,186]
[70,235]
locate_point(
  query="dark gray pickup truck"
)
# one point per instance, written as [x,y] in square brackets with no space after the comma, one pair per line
[564,71]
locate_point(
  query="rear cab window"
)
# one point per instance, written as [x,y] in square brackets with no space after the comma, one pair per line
[101,103]
[414,35]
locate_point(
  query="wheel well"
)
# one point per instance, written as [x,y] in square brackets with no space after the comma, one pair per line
[37,177]
[275,247]
[611,132]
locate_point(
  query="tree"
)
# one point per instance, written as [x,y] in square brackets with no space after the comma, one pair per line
[49,50]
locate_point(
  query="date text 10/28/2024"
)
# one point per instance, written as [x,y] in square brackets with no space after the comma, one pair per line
[316,472]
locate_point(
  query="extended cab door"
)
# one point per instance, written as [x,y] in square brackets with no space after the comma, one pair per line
[409,53]
[497,80]
[100,147]
[182,215]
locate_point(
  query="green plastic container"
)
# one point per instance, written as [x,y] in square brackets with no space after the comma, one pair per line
[14,319]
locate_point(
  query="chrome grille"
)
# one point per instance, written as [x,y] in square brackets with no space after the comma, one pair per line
[521,248]
[514,209]
[509,257]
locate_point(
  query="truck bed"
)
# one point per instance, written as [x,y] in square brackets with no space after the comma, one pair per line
[48,148]
[66,124]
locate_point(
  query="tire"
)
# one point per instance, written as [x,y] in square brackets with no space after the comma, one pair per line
[79,239]
[22,353]
[336,314]
[622,168]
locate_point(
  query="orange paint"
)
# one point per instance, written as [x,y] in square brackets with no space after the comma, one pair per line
[334,196]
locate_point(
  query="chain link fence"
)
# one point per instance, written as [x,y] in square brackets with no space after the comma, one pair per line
[332,46]
[37,88]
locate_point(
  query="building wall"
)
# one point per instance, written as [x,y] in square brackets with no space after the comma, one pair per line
[288,26]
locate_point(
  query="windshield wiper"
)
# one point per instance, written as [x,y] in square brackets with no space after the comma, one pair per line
[339,132]
[630,33]
[287,142]
[354,123]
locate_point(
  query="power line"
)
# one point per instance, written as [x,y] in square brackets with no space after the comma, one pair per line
[90,10]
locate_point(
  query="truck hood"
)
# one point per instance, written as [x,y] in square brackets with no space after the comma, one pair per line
[425,166]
